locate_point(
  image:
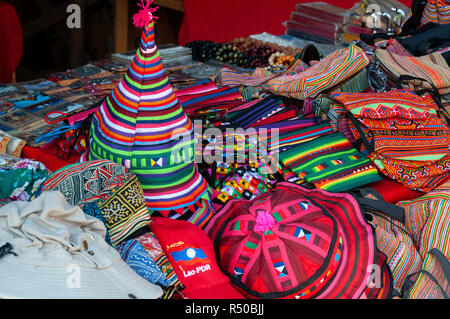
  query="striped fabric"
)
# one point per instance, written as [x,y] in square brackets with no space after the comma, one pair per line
[431,67]
[436,11]
[331,71]
[142,126]
[296,137]
[357,83]
[393,46]
[259,111]
[427,219]
[287,126]
[230,77]
[330,162]
[218,95]
[286,115]
[396,243]
[199,87]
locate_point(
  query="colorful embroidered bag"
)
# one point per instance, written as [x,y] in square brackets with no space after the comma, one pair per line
[298,243]
[431,67]
[436,11]
[427,219]
[393,239]
[413,235]
[402,133]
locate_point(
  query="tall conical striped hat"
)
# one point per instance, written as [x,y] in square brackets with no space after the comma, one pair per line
[142,126]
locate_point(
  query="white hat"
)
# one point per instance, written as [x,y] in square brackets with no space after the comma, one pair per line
[61,253]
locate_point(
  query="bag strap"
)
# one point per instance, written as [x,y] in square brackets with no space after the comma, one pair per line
[391,210]
[445,266]
[443,261]
[7,249]
[370,146]
[83,129]
[413,22]
[370,38]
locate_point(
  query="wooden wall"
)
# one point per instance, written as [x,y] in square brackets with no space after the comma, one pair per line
[50,46]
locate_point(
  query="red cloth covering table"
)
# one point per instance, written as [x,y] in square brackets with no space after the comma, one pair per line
[393,191]
[47,156]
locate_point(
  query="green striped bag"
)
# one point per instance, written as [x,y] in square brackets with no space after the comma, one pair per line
[330,162]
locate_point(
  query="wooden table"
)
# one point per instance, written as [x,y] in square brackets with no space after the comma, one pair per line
[122,20]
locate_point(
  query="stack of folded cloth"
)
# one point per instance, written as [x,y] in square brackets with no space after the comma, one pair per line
[318,21]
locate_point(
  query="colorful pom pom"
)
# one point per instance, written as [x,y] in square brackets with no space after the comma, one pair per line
[145,15]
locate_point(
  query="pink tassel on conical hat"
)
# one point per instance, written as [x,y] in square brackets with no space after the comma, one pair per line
[145,15]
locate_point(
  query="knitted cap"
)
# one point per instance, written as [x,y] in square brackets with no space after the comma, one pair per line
[142,126]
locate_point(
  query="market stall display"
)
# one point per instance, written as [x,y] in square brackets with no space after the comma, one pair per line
[243,169]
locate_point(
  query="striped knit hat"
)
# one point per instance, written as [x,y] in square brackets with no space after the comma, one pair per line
[142,126]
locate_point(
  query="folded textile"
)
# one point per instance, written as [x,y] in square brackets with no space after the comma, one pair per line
[432,67]
[135,255]
[230,77]
[330,162]
[90,181]
[220,94]
[151,244]
[327,74]
[247,181]
[299,136]
[259,111]
[20,179]
[199,87]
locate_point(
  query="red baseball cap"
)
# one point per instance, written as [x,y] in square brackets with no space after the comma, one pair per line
[191,254]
